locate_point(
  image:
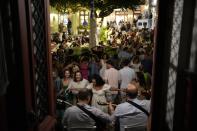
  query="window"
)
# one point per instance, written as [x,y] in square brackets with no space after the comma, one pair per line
[145,24]
[83,16]
[139,24]
[121,16]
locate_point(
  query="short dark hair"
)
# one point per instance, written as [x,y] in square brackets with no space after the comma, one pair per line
[141,79]
[99,80]
[125,62]
[84,94]
[110,62]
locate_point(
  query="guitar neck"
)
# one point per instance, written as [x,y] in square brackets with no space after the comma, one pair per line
[117,89]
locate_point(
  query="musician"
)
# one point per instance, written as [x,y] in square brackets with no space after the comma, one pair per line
[76,117]
[130,115]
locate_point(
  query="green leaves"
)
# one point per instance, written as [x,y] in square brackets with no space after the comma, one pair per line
[105,6]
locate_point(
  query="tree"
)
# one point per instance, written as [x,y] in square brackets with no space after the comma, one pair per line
[106,7]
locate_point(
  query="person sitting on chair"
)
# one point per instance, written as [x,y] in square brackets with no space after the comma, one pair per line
[133,113]
[83,115]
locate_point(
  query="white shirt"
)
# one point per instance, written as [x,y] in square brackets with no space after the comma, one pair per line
[130,115]
[111,76]
[127,74]
[75,117]
[78,85]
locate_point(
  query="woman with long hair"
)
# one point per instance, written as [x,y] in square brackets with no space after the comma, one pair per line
[77,83]
[65,80]
[101,92]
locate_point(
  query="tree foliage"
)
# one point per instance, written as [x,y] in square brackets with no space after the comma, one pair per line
[106,7]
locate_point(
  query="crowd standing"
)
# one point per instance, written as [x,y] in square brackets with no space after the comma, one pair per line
[105,84]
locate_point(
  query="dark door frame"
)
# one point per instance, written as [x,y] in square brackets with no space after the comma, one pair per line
[17,104]
[161,67]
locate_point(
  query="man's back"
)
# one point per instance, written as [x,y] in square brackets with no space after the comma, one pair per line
[129,115]
[127,74]
[112,77]
[75,117]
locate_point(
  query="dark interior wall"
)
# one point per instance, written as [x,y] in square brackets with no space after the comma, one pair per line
[14,97]
[3,79]
[23,103]
[3,120]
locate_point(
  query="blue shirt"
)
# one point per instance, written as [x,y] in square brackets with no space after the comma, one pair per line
[129,115]
[75,117]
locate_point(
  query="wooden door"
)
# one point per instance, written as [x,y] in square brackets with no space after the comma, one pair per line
[28,100]
[174,85]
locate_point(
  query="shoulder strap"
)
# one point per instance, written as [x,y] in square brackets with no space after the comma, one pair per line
[90,114]
[99,123]
[139,107]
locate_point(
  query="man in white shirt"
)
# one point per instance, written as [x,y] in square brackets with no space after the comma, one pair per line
[75,116]
[111,77]
[130,115]
[127,74]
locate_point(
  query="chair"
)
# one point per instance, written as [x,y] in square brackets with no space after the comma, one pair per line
[91,128]
[134,128]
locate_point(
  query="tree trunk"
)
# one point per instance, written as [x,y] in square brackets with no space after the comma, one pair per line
[92,32]
[93,26]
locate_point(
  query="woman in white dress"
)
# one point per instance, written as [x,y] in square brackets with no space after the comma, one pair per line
[101,92]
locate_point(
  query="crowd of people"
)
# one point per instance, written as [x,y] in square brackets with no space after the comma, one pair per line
[104,86]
